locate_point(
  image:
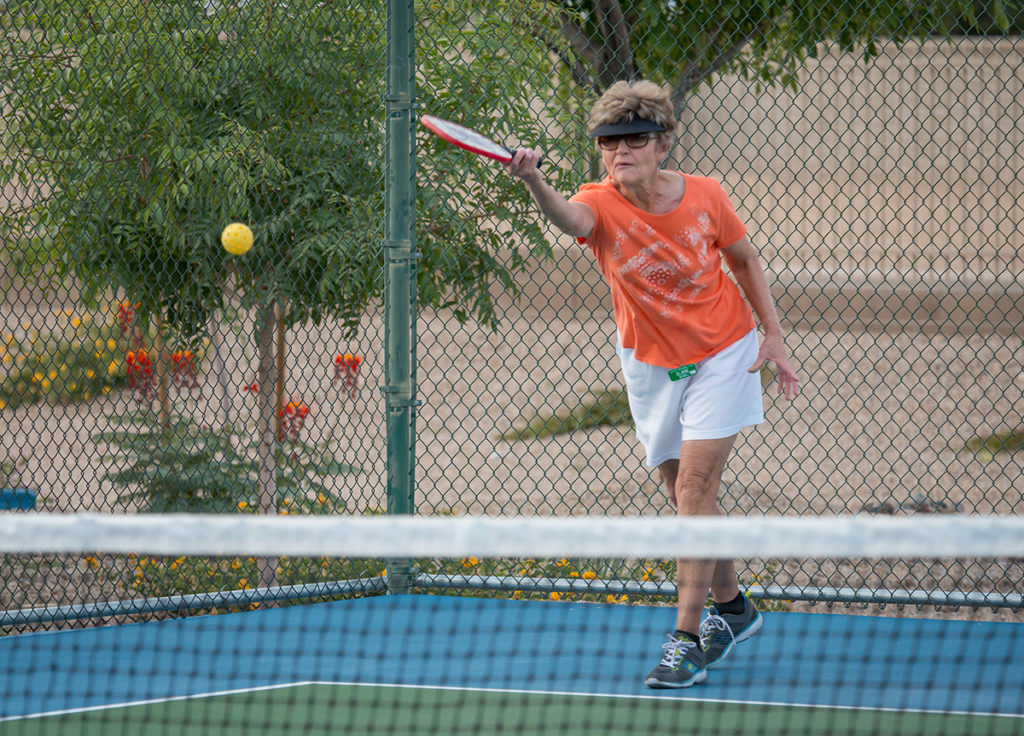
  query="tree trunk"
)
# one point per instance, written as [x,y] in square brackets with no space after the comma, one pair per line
[266,428]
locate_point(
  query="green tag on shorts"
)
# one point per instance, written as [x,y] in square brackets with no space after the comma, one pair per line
[683,371]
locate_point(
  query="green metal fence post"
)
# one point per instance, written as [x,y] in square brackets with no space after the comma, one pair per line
[400,282]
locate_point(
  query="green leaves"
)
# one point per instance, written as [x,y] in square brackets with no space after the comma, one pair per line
[153,125]
[185,467]
[686,44]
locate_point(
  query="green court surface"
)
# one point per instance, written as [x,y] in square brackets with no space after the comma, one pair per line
[314,709]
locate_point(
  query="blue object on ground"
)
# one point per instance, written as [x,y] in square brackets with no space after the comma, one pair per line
[22,499]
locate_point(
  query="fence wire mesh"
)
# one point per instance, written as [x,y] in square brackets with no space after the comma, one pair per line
[872,151]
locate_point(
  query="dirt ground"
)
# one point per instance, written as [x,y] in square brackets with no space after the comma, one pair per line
[894,386]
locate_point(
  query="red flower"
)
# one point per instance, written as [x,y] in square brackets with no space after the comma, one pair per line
[126,315]
[346,372]
[293,417]
[185,371]
[140,376]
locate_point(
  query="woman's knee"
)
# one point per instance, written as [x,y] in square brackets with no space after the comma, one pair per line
[696,489]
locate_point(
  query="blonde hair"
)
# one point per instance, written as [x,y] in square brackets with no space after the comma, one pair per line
[624,102]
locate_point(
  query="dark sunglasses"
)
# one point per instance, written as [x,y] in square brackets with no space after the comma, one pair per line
[633,140]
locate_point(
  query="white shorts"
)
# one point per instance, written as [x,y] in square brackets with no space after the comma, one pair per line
[718,401]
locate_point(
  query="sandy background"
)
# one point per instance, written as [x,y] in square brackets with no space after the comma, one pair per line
[886,201]
[884,417]
[885,413]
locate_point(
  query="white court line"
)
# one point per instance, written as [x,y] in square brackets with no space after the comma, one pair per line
[503,691]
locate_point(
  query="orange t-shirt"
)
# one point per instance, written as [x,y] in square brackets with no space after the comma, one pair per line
[673,302]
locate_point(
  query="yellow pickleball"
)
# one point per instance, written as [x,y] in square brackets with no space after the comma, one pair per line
[236,238]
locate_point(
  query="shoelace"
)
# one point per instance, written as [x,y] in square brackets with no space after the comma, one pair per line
[675,650]
[712,623]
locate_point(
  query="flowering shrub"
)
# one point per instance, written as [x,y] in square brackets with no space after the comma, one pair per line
[184,466]
[293,417]
[78,360]
[125,319]
[141,379]
[140,376]
[346,373]
[185,373]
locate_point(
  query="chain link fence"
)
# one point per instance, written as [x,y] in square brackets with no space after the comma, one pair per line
[874,154]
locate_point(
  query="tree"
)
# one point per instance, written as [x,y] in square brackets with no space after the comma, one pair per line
[688,43]
[150,125]
[155,123]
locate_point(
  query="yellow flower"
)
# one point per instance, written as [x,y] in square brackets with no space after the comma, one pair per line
[37,377]
[589,575]
[470,562]
[89,373]
[92,562]
[562,562]
[321,498]
[554,595]
[111,345]
[52,375]
[242,505]
[75,322]
[112,368]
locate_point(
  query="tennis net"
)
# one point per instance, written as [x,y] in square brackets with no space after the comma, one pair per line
[327,625]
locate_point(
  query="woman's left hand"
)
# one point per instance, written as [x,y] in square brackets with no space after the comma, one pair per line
[773,350]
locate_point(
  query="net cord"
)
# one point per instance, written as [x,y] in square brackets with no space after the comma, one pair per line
[410,536]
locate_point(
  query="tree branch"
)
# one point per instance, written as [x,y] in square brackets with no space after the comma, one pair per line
[618,63]
[584,59]
[694,74]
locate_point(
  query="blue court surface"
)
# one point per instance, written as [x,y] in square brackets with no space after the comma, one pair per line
[438,664]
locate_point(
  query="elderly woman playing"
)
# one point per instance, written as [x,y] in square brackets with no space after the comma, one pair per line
[687,340]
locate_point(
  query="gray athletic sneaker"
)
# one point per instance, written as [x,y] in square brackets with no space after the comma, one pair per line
[720,632]
[682,665]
